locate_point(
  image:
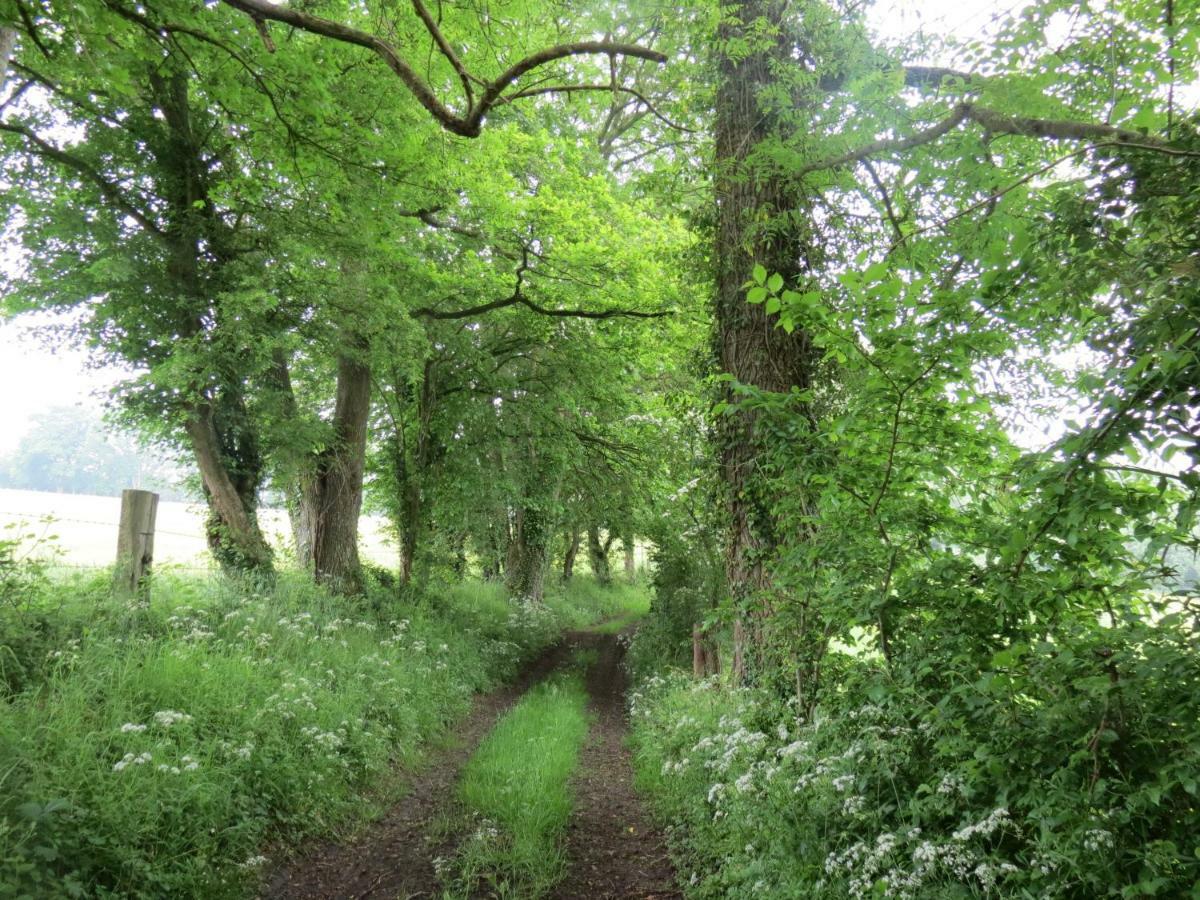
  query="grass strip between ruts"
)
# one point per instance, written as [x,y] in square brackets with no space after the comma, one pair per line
[516,788]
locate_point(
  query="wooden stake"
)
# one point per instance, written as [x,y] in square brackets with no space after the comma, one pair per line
[135,543]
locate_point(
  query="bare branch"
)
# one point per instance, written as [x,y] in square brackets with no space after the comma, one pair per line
[518,298]
[548,55]
[607,88]
[426,312]
[447,51]
[886,197]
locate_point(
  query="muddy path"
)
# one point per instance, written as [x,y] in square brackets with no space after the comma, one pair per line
[393,856]
[613,848]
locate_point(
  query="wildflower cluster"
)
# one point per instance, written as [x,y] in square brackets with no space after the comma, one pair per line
[756,791]
[228,716]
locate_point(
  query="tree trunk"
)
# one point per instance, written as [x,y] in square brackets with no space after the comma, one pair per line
[528,555]
[232,528]
[572,551]
[598,556]
[759,219]
[331,494]
[630,559]
[413,473]
[8,43]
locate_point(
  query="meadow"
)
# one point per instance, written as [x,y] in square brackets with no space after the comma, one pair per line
[173,747]
[80,530]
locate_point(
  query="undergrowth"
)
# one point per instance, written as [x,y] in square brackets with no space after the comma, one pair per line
[1041,778]
[156,750]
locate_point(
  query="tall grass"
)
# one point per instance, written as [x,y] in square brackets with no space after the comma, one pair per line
[583,602]
[154,751]
[516,786]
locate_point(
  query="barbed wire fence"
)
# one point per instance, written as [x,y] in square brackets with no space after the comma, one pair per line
[57,560]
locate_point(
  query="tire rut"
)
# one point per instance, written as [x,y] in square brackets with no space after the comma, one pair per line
[614,850]
[393,856]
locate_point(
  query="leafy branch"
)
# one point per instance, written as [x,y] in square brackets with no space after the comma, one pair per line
[1000,123]
[469,123]
[518,298]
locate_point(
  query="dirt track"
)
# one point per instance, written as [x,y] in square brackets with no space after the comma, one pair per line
[613,849]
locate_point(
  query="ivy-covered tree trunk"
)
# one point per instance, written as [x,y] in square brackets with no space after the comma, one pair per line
[529,554]
[570,553]
[331,492]
[759,220]
[216,420]
[412,473]
[231,472]
[598,555]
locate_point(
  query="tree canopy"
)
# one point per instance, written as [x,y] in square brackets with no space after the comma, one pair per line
[742,280]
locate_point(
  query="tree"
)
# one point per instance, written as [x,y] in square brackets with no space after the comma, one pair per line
[68,449]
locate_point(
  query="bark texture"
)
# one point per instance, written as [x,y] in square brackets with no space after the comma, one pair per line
[231,472]
[8,43]
[760,220]
[413,466]
[570,554]
[198,246]
[529,554]
[331,492]
[598,555]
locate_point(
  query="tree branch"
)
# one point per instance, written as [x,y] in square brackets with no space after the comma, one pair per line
[447,51]
[108,190]
[548,55]
[607,88]
[518,298]
[1000,123]
[470,124]
[426,312]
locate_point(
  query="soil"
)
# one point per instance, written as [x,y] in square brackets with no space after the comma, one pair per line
[614,850]
[393,857]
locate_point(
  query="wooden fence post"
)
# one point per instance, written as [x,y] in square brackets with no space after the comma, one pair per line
[135,542]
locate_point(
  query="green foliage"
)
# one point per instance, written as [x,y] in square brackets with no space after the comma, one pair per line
[69,450]
[516,788]
[155,751]
[1054,772]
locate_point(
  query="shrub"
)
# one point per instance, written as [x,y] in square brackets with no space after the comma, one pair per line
[1067,769]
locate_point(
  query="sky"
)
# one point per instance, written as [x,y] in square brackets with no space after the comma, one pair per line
[36,375]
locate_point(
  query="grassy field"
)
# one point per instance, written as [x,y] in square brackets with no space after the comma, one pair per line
[162,750]
[81,530]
